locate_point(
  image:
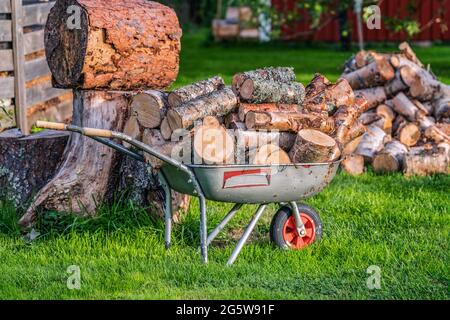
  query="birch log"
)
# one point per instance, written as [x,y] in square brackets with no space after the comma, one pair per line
[195,90]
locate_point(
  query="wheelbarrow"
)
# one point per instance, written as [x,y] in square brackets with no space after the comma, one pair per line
[294,226]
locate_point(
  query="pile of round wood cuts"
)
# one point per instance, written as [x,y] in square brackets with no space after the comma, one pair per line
[408,117]
[265,117]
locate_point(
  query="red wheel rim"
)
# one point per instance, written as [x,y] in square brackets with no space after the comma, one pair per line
[291,236]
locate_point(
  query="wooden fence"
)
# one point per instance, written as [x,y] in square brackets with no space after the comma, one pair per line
[25,80]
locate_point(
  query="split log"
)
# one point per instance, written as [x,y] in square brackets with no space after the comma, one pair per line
[345,118]
[312,146]
[405,107]
[329,98]
[271,154]
[353,164]
[396,84]
[356,131]
[195,90]
[374,74]
[392,158]
[165,129]
[290,122]
[132,129]
[371,143]
[149,107]
[375,96]
[351,147]
[408,134]
[388,117]
[118,45]
[213,145]
[398,122]
[245,108]
[218,103]
[82,180]
[421,161]
[27,163]
[278,74]
[269,91]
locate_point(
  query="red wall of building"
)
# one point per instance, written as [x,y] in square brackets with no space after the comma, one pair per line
[428,10]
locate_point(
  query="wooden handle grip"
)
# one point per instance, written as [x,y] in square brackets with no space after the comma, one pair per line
[50,125]
[97,133]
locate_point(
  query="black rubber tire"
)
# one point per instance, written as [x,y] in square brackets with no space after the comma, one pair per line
[280,218]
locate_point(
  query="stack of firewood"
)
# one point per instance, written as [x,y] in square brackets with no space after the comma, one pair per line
[266,117]
[408,118]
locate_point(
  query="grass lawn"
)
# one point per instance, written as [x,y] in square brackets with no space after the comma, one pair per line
[400,225]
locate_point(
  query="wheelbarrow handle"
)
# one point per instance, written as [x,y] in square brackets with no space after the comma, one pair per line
[90,132]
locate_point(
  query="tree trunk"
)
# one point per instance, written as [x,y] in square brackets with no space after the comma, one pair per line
[289,122]
[312,146]
[218,103]
[117,46]
[423,162]
[392,158]
[353,164]
[374,74]
[27,163]
[195,90]
[371,143]
[269,91]
[245,108]
[82,180]
[149,107]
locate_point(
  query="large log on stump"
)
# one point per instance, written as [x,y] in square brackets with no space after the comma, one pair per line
[392,158]
[82,180]
[27,163]
[195,90]
[312,146]
[217,103]
[119,45]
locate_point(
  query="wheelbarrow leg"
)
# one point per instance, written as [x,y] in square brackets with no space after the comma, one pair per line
[298,220]
[223,223]
[167,211]
[203,229]
[246,234]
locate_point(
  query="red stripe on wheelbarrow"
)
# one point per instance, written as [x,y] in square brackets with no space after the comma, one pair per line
[246,178]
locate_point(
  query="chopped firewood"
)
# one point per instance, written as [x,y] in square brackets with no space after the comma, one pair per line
[245,108]
[328,98]
[422,161]
[396,84]
[374,74]
[442,108]
[153,138]
[391,158]
[291,122]
[132,129]
[409,53]
[250,140]
[408,134]
[317,84]
[269,91]
[369,117]
[356,131]
[405,107]
[371,143]
[375,96]
[313,146]
[213,144]
[117,45]
[271,154]
[351,147]
[353,164]
[165,129]
[217,103]
[182,95]
[279,74]
[149,107]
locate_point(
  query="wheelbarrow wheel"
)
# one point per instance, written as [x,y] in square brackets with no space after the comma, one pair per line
[283,230]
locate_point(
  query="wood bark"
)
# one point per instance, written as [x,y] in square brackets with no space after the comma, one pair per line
[397,84]
[351,147]
[329,97]
[312,146]
[317,84]
[442,108]
[408,52]
[153,138]
[371,143]
[421,161]
[218,103]
[232,121]
[132,129]
[408,134]
[82,180]
[195,90]
[27,163]
[269,91]
[375,96]
[353,164]
[118,45]
[271,154]
[166,130]
[404,106]
[391,158]
[278,74]
[368,118]
[374,74]
[149,107]
[290,122]
[245,108]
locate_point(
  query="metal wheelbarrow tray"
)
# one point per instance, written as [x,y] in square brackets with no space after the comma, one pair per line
[294,226]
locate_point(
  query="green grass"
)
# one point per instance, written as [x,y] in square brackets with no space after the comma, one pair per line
[401,225]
